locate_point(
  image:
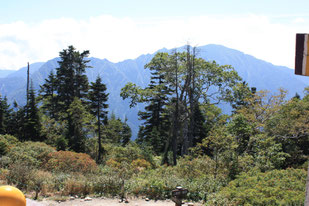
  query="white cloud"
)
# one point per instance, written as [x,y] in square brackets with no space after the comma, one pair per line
[121,38]
[299,20]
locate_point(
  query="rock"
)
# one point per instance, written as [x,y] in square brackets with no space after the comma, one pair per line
[126,201]
[72,198]
[190,204]
[147,199]
[88,199]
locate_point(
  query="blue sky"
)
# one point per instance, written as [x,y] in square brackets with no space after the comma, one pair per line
[37,10]
[36,30]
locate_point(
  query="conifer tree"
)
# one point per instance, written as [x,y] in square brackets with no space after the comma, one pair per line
[78,117]
[116,131]
[15,125]
[154,130]
[98,98]
[126,133]
[71,78]
[32,124]
[48,95]
[5,115]
[61,90]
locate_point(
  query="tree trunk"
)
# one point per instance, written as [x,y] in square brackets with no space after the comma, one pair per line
[175,134]
[190,89]
[99,135]
[176,118]
[185,144]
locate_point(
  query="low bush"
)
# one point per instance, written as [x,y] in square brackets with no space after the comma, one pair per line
[66,161]
[158,183]
[277,187]
[59,179]
[128,154]
[195,167]
[33,153]
[6,143]
[77,185]
[3,175]
[108,185]
[4,147]
[5,162]
[20,174]
[10,139]
[140,164]
[41,181]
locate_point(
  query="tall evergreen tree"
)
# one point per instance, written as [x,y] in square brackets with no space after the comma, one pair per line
[16,121]
[61,90]
[78,118]
[116,131]
[98,98]
[126,133]
[5,115]
[154,129]
[48,95]
[71,78]
[32,124]
[200,128]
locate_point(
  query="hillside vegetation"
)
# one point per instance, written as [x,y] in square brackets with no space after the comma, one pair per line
[63,142]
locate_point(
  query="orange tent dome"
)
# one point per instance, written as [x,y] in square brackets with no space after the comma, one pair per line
[11,196]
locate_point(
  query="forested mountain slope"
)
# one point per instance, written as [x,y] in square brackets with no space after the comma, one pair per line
[257,73]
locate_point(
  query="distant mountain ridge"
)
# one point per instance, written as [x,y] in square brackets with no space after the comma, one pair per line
[5,73]
[255,72]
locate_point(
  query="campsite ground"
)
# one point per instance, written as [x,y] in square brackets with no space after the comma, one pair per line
[105,201]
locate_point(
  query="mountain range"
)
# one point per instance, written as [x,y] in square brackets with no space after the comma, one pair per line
[257,73]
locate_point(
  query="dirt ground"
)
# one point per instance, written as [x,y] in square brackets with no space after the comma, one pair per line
[105,201]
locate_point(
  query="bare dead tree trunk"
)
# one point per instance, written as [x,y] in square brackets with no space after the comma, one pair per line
[176,117]
[192,104]
[28,79]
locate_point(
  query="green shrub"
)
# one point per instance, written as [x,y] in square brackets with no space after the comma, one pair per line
[140,164]
[6,143]
[41,181]
[66,161]
[196,167]
[154,184]
[127,154]
[277,187]
[108,184]
[4,147]
[77,185]
[34,154]
[59,180]
[158,183]
[10,139]
[3,175]
[20,174]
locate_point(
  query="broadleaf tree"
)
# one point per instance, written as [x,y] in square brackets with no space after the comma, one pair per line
[192,82]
